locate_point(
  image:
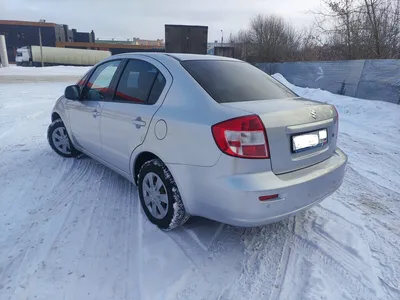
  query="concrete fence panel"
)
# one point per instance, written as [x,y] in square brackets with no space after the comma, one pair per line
[368,79]
[380,79]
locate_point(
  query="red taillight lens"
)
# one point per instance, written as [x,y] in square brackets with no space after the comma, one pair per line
[242,137]
[270,197]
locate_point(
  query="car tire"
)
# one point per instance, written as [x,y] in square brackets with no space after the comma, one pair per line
[160,197]
[59,140]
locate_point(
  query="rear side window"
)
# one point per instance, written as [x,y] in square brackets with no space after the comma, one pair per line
[235,81]
[157,89]
[141,82]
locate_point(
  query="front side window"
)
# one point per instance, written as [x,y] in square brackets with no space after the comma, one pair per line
[99,82]
[235,81]
[141,82]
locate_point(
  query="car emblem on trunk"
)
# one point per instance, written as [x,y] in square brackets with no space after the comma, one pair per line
[313,114]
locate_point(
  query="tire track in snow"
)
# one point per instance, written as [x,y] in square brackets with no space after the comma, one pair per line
[187,239]
[129,229]
[108,244]
[337,270]
[93,205]
[32,233]
[22,220]
[329,214]
[264,257]
[216,246]
[94,240]
[55,224]
[139,254]
[90,248]
[381,209]
[283,263]
[36,260]
[193,252]
[299,252]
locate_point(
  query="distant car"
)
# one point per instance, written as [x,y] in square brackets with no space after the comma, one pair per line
[202,136]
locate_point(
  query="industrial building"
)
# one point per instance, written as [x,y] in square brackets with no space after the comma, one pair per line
[21,33]
[178,38]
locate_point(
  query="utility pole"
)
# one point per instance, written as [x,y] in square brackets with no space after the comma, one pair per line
[41,47]
[40,42]
[222,38]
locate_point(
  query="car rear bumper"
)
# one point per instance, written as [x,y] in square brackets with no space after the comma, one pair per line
[235,200]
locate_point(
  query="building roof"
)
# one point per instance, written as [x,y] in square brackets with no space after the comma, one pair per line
[25,23]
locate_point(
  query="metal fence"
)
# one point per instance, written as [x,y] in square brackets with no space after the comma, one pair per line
[367,79]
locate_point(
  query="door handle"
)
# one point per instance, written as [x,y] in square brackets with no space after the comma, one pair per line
[95,113]
[138,122]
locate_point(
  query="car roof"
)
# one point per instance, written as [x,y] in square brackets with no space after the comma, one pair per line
[177,56]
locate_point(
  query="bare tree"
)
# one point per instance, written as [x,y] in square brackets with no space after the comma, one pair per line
[269,39]
[343,29]
[371,7]
[337,22]
[361,28]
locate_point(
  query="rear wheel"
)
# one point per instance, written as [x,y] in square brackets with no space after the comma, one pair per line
[59,140]
[160,197]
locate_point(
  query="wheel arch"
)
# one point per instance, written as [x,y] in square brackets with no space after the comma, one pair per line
[140,160]
[60,113]
[144,156]
[55,116]
[180,213]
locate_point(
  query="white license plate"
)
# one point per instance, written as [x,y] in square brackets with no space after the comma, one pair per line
[309,140]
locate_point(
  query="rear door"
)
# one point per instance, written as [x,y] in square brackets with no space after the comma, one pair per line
[125,120]
[85,114]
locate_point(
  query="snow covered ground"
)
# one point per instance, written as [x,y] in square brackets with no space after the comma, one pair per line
[73,229]
[16,74]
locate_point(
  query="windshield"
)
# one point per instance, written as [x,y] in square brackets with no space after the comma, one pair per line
[235,81]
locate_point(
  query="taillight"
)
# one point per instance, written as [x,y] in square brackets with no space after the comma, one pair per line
[242,137]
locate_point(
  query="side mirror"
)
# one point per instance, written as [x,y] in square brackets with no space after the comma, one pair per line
[72,92]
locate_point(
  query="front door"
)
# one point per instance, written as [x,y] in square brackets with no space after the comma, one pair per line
[125,120]
[85,114]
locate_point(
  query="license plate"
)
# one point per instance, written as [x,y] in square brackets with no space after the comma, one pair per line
[309,140]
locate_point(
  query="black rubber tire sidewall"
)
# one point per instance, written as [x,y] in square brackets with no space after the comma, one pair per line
[54,125]
[157,166]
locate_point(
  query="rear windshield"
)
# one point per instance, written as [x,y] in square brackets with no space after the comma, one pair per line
[235,81]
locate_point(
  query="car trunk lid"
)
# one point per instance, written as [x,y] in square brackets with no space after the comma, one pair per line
[296,129]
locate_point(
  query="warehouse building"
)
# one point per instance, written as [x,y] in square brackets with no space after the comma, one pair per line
[20,33]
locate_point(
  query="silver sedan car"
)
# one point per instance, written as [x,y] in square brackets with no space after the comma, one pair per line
[202,136]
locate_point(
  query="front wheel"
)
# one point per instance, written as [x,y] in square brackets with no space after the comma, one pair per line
[59,140]
[160,197]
